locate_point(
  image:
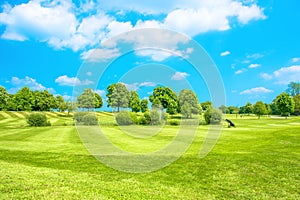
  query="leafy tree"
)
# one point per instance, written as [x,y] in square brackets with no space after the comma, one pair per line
[134,102]
[268,109]
[118,96]
[23,99]
[144,105]
[11,103]
[71,106]
[297,104]
[259,109]
[206,105]
[274,110]
[248,108]
[4,97]
[89,100]
[293,89]
[61,104]
[285,104]
[223,109]
[42,101]
[167,98]
[188,102]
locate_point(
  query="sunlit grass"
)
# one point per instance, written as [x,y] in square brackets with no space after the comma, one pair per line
[259,159]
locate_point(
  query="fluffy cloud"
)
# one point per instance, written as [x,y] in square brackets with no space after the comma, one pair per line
[257,90]
[225,53]
[251,66]
[71,81]
[285,75]
[63,25]
[98,55]
[179,76]
[18,83]
[240,71]
[147,84]
[294,60]
[100,92]
[136,86]
[266,76]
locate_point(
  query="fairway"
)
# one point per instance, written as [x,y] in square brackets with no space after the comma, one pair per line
[260,159]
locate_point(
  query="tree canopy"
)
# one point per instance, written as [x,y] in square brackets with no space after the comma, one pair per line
[259,109]
[89,100]
[134,102]
[285,104]
[118,96]
[293,89]
[166,97]
[188,102]
[144,105]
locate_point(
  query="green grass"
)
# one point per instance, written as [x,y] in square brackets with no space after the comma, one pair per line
[260,159]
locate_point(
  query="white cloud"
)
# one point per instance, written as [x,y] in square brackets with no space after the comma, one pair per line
[61,24]
[89,73]
[257,90]
[98,55]
[287,74]
[71,81]
[67,97]
[147,84]
[100,92]
[254,56]
[240,71]
[266,76]
[251,66]
[294,60]
[18,83]
[179,76]
[225,53]
[133,86]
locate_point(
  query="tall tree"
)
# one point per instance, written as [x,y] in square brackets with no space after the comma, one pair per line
[4,97]
[188,102]
[259,109]
[118,96]
[43,101]
[134,102]
[144,105]
[297,104]
[293,89]
[61,104]
[285,104]
[167,97]
[23,99]
[248,108]
[89,100]
[223,109]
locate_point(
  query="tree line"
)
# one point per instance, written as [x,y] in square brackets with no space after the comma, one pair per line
[118,96]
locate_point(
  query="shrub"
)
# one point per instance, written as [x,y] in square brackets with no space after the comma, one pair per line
[147,117]
[134,117]
[90,119]
[124,118]
[37,119]
[213,116]
[78,117]
[142,120]
[174,122]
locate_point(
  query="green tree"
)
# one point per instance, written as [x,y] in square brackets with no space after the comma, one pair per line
[285,104]
[134,102]
[248,108]
[274,110]
[4,97]
[206,105]
[297,104]
[23,99]
[89,100]
[11,103]
[293,89]
[213,116]
[42,101]
[144,105]
[61,104]
[223,109]
[118,96]
[259,109]
[167,97]
[188,101]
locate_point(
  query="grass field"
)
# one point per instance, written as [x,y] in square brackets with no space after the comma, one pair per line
[260,159]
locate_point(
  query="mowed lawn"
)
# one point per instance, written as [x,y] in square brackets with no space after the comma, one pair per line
[260,159]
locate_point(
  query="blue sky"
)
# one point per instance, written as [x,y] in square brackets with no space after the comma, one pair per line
[59,44]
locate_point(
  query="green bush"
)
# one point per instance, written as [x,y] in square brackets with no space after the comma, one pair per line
[90,119]
[123,118]
[174,122]
[213,116]
[78,117]
[142,120]
[85,118]
[37,119]
[134,117]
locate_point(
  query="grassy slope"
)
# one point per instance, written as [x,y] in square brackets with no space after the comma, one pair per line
[260,159]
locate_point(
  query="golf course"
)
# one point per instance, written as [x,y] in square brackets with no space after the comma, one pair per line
[259,159]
